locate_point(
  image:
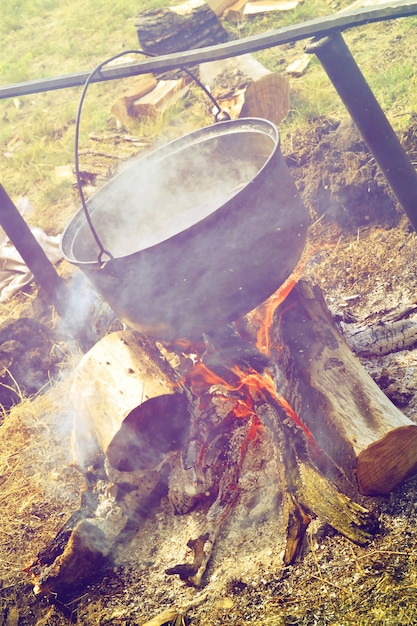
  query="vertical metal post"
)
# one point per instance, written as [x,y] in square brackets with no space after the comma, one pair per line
[349,82]
[31,252]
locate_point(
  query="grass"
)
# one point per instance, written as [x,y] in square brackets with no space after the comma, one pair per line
[49,37]
[35,431]
[45,38]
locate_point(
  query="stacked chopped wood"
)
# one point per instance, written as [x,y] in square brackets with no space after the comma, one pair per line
[163,31]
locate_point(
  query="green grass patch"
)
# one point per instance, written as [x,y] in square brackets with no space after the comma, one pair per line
[51,37]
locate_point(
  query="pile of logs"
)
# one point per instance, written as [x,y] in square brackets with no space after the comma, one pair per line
[241,85]
[341,412]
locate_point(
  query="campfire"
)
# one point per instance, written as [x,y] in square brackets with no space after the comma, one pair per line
[270,418]
[238,436]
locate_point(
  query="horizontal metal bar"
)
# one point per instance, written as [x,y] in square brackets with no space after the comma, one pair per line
[319,27]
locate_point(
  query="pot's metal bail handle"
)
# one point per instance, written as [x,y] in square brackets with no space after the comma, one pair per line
[219,116]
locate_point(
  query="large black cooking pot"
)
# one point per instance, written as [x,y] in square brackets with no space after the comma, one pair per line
[199,232]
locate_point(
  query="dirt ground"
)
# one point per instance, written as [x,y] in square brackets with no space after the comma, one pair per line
[361,250]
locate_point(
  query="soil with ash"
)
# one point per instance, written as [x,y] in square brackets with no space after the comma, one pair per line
[362,252]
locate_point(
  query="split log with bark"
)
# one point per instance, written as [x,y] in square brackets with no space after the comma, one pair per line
[246,88]
[186,26]
[124,107]
[349,417]
[243,86]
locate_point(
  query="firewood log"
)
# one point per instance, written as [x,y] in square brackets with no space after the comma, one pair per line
[308,493]
[261,93]
[186,26]
[219,6]
[129,403]
[165,94]
[243,8]
[350,418]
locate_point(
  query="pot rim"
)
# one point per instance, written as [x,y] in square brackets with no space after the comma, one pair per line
[170,149]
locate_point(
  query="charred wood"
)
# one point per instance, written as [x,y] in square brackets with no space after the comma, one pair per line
[192,573]
[309,493]
[174,428]
[382,338]
[80,563]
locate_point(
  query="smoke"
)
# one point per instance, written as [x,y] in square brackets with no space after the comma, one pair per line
[165,193]
[86,317]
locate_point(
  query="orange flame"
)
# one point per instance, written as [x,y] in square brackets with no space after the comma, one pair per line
[201,377]
[263,339]
[251,386]
[259,383]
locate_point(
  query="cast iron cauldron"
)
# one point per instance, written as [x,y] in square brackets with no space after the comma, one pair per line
[199,232]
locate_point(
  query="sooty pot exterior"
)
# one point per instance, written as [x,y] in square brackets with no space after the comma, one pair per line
[201,231]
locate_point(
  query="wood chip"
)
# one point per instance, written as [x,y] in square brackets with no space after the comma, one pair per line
[163,618]
[165,94]
[299,66]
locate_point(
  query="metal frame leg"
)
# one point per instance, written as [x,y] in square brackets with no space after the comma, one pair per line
[33,255]
[359,100]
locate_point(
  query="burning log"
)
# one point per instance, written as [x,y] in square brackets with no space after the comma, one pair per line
[348,416]
[191,419]
[307,492]
[310,493]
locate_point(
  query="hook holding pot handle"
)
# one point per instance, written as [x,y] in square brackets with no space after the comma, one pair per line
[220,115]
